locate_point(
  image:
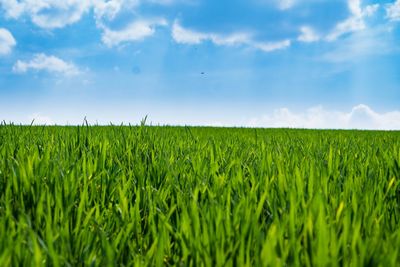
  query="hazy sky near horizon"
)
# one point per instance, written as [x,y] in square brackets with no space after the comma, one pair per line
[268,63]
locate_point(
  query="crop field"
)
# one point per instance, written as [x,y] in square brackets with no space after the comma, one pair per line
[198,196]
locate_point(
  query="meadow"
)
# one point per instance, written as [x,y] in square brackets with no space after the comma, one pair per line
[198,196]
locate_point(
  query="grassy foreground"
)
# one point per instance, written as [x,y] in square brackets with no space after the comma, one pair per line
[138,196]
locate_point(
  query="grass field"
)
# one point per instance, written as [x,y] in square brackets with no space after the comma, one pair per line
[139,196]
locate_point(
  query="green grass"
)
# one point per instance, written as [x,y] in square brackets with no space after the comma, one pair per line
[138,196]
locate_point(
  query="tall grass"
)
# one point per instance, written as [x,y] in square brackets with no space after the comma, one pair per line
[137,196]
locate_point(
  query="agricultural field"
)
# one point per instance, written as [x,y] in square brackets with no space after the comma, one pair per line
[198,196]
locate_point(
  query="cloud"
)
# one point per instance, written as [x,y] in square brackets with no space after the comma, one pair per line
[393,11]
[109,9]
[42,62]
[308,35]
[136,31]
[13,8]
[186,36]
[376,41]
[7,41]
[47,13]
[355,22]
[272,46]
[359,117]
[50,14]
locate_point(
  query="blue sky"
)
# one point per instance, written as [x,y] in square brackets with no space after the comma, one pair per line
[268,63]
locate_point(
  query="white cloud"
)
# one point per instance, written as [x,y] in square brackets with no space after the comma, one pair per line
[352,24]
[136,31]
[393,11]
[110,8]
[52,14]
[355,22]
[308,35]
[355,7]
[107,9]
[370,10]
[7,41]
[42,62]
[187,36]
[232,39]
[359,117]
[47,13]
[376,41]
[13,8]
[272,46]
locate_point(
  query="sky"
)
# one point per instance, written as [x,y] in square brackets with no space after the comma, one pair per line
[252,63]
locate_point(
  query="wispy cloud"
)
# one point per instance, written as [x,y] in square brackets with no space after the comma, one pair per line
[187,36]
[359,117]
[308,35]
[393,11]
[109,9]
[135,31]
[271,46]
[356,20]
[42,62]
[376,41]
[7,41]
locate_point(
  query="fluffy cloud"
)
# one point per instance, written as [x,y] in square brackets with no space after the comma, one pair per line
[13,8]
[42,62]
[355,22]
[393,11]
[187,36]
[360,117]
[136,31]
[47,13]
[109,9]
[51,14]
[7,41]
[308,35]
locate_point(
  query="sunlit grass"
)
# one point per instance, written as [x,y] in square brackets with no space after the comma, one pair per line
[184,196]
